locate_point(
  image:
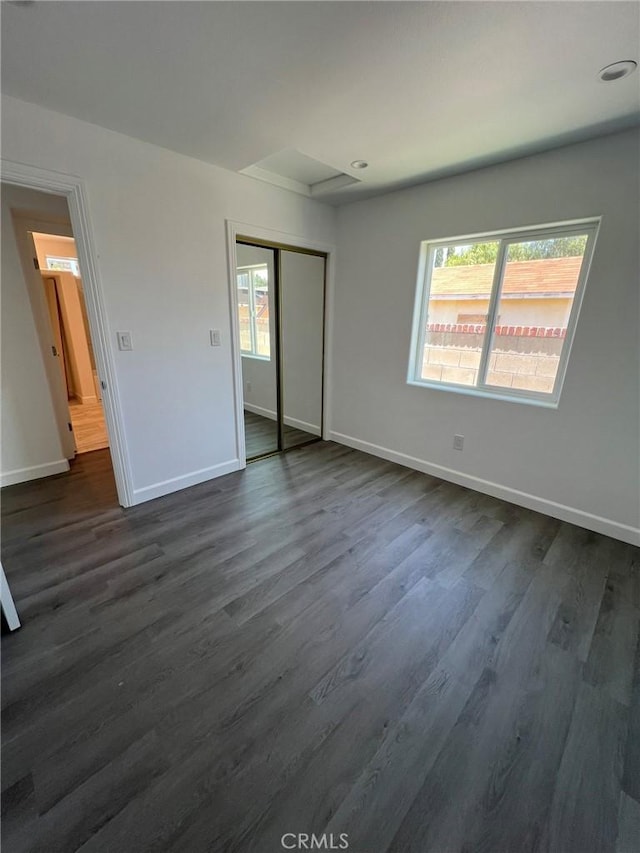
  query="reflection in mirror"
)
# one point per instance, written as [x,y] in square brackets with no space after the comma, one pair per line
[256,314]
[302,333]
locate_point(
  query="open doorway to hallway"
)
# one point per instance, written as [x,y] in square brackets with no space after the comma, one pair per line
[57,259]
[52,408]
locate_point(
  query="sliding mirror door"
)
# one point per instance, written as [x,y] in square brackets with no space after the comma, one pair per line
[256,277]
[301,296]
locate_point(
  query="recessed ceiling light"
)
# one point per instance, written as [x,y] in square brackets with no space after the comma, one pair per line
[617,70]
[359,164]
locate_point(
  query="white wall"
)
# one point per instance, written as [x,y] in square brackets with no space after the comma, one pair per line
[159,226]
[584,455]
[31,446]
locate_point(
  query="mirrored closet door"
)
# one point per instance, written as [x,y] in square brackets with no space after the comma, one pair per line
[281,318]
[255,275]
[302,344]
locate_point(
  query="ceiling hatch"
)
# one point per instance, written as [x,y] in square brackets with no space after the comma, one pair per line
[295,171]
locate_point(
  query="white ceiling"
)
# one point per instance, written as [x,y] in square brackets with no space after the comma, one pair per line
[418,89]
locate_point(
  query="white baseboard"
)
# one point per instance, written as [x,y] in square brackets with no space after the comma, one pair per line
[258,410]
[606,526]
[303,425]
[292,422]
[175,484]
[34,472]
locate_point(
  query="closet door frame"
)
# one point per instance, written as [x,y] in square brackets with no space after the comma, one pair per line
[278,241]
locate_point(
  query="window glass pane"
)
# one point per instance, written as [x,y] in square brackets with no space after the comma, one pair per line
[244,315]
[261,309]
[63,264]
[461,280]
[537,293]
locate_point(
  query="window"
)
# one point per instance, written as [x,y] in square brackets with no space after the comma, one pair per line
[253,311]
[63,264]
[495,313]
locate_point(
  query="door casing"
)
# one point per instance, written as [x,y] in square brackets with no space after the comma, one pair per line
[73,189]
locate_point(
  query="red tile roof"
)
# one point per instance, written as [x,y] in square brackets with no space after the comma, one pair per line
[548,275]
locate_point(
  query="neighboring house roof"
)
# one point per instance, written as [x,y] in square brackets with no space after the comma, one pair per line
[545,276]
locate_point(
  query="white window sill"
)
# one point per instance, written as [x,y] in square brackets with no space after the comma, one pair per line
[255,356]
[546,401]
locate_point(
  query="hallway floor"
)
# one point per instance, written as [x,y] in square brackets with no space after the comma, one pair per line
[89,426]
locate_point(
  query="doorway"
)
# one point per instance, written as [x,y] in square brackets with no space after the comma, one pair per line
[43,276]
[57,260]
[280,300]
[57,187]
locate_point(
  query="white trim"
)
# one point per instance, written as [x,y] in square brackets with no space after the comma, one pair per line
[529,398]
[522,232]
[73,188]
[258,232]
[176,484]
[276,180]
[255,357]
[330,185]
[314,429]
[606,526]
[494,301]
[33,472]
[260,410]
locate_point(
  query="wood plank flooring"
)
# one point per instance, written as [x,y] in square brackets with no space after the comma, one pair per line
[261,436]
[89,426]
[323,643]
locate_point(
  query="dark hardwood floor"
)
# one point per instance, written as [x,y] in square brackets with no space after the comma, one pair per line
[324,642]
[261,435]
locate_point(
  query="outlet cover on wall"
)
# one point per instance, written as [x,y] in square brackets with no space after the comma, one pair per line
[458,442]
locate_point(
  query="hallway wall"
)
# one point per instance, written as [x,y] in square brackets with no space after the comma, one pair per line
[31,446]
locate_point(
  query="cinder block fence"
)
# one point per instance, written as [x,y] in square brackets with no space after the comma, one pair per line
[521,356]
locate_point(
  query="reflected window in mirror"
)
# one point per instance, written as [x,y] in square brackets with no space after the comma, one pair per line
[253,310]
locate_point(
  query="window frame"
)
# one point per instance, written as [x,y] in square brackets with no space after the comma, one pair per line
[589,226]
[73,264]
[251,269]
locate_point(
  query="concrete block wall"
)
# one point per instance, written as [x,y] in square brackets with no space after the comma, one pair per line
[517,360]
[546,339]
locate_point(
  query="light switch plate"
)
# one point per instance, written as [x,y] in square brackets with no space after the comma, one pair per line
[215,337]
[125,341]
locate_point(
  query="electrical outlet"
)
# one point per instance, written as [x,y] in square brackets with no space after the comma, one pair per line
[458,442]
[248,386]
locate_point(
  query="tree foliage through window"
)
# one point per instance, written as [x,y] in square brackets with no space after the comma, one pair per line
[487,253]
